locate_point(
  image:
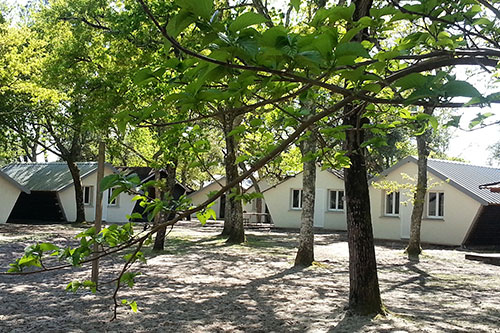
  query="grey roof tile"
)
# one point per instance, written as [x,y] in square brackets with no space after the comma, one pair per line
[53,176]
[468,178]
[465,177]
[13,182]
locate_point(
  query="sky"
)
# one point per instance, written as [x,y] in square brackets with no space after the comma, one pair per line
[471,146]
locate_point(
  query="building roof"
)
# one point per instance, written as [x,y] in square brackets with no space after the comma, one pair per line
[13,182]
[465,177]
[146,174]
[53,176]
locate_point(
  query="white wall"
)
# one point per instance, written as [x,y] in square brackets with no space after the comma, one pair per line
[201,196]
[278,201]
[116,213]
[459,211]
[8,197]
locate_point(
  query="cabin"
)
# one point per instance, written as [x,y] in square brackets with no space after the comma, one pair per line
[254,211]
[9,193]
[457,211]
[284,201]
[50,194]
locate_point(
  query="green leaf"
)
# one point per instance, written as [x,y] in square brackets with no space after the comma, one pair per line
[350,34]
[351,49]
[143,76]
[245,20]
[256,122]
[295,4]
[45,247]
[109,181]
[341,12]
[237,130]
[460,88]
[413,80]
[133,306]
[202,8]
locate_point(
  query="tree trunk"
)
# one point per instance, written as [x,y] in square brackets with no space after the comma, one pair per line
[233,219]
[171,170]
[98,210]
[414,249]
[75,174]
[364,293]
[305,253]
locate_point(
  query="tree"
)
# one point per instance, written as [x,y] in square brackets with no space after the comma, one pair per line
[305,252]
[363,55]
[494,153]
[414,249]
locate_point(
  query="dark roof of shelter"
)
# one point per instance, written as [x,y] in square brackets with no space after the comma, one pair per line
[465,177]
[146,174]
[53,176]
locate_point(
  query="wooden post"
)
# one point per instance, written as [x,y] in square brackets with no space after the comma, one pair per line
[98,209]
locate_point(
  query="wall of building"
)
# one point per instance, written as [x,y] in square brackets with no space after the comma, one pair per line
[451,229]
[114,214]
[279,201]
[198,197]
[8,197]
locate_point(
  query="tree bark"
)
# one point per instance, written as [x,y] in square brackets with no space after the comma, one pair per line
[75,174]
[414,248]
[233,219]
[98,210]
[364,293]
[305,253]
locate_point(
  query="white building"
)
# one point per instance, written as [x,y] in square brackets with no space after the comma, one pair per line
[250,211]
[284,201]
[51,195]
[456,211]
[9,192]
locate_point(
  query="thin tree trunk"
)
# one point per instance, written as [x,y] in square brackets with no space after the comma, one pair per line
[364,293]
[77,182]
[171,169]
[414,248]
[305,253]
[255,184]
[233,219]
[98,210]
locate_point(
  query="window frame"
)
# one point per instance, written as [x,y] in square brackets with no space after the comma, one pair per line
[437,205]
[299,207]
[338,199]
[90,192]
[115,201]
[395,194]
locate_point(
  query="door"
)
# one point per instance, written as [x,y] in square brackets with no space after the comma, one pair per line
[405,220]
[319,207]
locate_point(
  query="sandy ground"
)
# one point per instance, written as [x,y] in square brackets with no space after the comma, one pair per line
[198,284]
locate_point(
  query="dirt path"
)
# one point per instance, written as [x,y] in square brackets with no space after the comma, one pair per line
[201,285]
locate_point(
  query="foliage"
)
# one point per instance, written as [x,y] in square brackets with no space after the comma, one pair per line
[166,75]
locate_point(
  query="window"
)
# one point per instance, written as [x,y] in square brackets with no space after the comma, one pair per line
[435,207]
[392,204]
[87,195]
[296,199]
[114,202]
[336,200]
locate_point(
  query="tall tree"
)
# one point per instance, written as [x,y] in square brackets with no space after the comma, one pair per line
[305,252]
